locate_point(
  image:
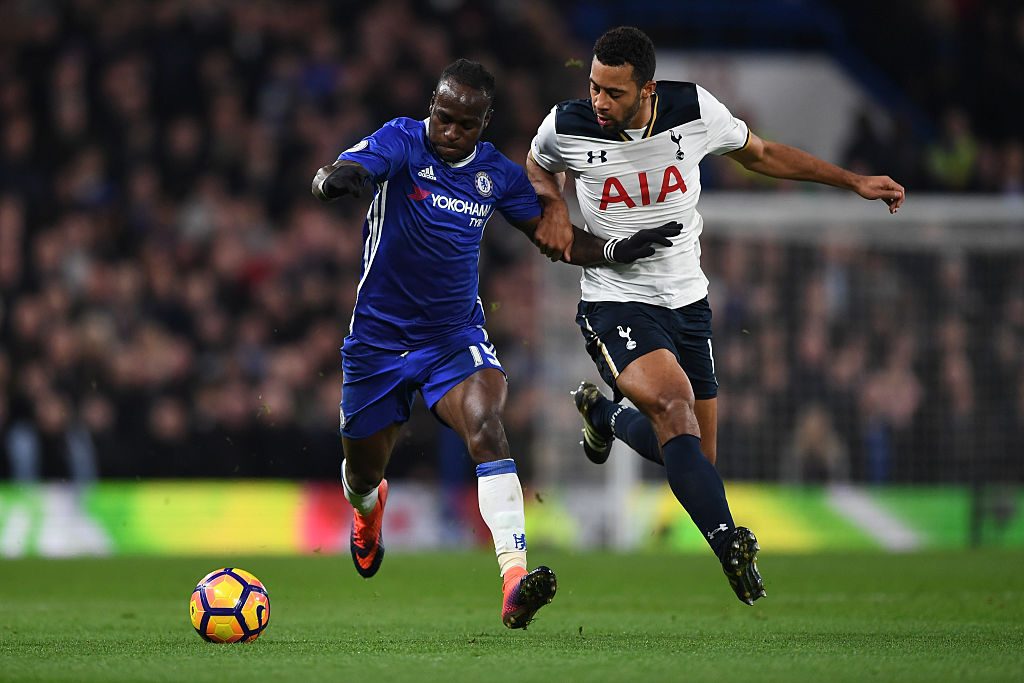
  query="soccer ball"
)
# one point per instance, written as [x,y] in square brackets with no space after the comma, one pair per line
[229,605]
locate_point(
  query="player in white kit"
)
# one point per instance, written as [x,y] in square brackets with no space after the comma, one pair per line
[633,149]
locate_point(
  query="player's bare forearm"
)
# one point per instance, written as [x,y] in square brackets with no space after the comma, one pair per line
[554,235]
[590,250]
[777,160]
[782,161]
[587,250]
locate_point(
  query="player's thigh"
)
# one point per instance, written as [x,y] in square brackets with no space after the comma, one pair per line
[632,346]
[691,335]
[465,387]
[657,385]
[621,335]
[691,329]
[707,419]
[473,409]
[375,393]
[697,360]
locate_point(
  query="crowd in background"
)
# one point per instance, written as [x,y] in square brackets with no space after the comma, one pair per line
[964,68]
[171,293]
[843,363]
[950,74]
[172,299]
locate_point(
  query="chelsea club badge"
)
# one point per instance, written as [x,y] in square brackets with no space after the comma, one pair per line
[483,184]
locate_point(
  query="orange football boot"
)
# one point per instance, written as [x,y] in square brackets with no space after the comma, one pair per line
[366,539]
[525,593]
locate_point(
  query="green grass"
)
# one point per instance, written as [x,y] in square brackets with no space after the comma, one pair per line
[865,617]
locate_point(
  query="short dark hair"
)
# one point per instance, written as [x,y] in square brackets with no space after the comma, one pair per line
[470,74]
[627,45]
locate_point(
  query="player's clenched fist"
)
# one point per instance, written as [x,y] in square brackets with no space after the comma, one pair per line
[338,180]
[554,234]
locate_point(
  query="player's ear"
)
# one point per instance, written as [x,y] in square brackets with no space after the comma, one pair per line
[648,88]
[430,107]
[487,118]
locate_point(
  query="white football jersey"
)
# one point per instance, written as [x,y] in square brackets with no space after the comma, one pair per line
[642,179]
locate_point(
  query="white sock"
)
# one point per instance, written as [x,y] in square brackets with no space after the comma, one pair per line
[501,506]
[364,503]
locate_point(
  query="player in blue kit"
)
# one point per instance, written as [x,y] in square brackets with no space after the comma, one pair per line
[418,322]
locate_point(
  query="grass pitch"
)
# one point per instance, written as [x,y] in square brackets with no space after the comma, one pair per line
[928,617]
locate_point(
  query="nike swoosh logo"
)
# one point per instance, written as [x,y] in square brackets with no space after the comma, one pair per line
[364,552]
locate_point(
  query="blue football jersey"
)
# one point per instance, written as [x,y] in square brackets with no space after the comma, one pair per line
[421,239]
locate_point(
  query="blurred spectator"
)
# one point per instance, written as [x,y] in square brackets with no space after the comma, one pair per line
[952,158]
[866,151]
[50,443]
[895,148]
[816,453]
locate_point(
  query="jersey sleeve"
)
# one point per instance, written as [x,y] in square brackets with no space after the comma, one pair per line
[519,201]
[544,147]
[726,133]
[383,153]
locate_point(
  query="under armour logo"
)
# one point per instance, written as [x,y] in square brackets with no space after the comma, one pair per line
[678,139]
[602,155]
[721,527]
[520,541]
[630,344]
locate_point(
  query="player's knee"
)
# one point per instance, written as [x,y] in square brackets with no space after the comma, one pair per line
[486,438]
[672,416]
[363,476]
[670,406]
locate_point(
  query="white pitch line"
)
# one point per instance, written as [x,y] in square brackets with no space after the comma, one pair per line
[859,508]
[15,532]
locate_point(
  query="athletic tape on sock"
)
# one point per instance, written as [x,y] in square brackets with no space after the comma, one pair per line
[364,503]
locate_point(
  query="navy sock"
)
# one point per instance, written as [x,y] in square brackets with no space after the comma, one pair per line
[628,424]
[601,416]
[698,487]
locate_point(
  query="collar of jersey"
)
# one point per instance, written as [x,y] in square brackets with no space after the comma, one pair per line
[453,164]
[649,128]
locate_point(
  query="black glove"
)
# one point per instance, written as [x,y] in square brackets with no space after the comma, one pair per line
[334,181]
[640,244]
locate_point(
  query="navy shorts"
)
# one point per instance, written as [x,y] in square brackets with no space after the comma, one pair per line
[379,384]
[617,333]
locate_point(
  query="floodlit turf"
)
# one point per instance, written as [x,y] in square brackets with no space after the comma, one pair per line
[934,617]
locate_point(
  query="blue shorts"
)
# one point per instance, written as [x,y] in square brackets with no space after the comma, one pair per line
[379,384]
[617,333]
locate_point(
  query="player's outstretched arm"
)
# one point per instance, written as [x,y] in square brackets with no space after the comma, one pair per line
[782,161]
[589,250]
[339,179]
[555,235]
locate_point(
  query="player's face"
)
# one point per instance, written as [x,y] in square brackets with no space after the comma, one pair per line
[616,97]
[458,116]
